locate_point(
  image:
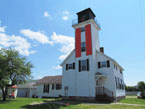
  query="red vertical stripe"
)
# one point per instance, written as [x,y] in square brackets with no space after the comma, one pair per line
[88,40]
[78,42]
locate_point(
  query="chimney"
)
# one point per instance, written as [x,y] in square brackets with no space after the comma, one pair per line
[102,49]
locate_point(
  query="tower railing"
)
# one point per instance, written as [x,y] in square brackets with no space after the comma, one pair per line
[75,22]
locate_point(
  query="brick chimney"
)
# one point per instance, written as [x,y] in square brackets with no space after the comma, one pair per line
[102,49]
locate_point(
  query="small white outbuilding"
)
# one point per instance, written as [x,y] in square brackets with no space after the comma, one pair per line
[49,86]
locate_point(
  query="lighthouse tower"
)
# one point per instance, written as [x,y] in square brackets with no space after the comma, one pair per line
[86,33]
[86,43]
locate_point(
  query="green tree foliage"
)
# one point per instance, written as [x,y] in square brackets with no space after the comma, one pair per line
[141,86]
[14,69]
[130,88]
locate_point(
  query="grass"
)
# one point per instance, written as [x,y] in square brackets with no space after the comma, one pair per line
[25,103]
[133,100]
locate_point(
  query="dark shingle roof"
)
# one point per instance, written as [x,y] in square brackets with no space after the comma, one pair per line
[50,80]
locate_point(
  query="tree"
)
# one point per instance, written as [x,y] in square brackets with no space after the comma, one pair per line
[141,86]
[130,88]
[14,69]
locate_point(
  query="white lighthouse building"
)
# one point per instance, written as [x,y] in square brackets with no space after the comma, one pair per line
[88,73]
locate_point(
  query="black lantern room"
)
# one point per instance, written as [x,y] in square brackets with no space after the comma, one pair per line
[85,15]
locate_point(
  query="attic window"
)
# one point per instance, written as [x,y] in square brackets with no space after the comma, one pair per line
[103,64]
[70,66]
[83,46]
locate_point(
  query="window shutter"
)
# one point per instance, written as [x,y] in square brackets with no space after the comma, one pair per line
[52,86]
[66,66]
[73,65]
[116,82]
[44,89]
[99,66]
[87,64]
[108,63]
[48,88]
[79,65]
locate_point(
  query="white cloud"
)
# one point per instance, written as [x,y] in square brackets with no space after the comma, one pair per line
[2,29]
[18,43]
[66,15]
[66,42]
[46,14]
[38,36]
[57,67]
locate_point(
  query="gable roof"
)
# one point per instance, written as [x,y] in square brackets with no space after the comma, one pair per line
[67,57]
[109,58]
[97,52]
[50,80]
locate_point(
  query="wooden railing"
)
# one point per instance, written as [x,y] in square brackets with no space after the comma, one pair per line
[103,90]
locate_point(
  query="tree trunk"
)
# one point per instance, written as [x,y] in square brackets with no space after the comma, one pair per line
[4,93]
[4,96]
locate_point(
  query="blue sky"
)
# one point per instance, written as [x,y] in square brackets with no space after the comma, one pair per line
[42,31]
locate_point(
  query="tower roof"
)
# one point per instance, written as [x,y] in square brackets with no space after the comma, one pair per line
[85,10]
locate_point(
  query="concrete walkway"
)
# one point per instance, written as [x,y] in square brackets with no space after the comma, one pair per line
[114,104]
[62,103]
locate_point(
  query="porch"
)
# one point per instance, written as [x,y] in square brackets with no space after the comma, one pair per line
[102,93]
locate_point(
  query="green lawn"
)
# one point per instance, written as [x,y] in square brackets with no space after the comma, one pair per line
[25,103]
[133,100]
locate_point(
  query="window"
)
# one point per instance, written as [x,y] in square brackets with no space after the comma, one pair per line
[119,83]
[84,65]
[123,85]
[46,88]
[103,64]
[97,83]
[121,71]
[83,46]
[70,66]
[52,86]
[58,86]
[82,29]
[116,82]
